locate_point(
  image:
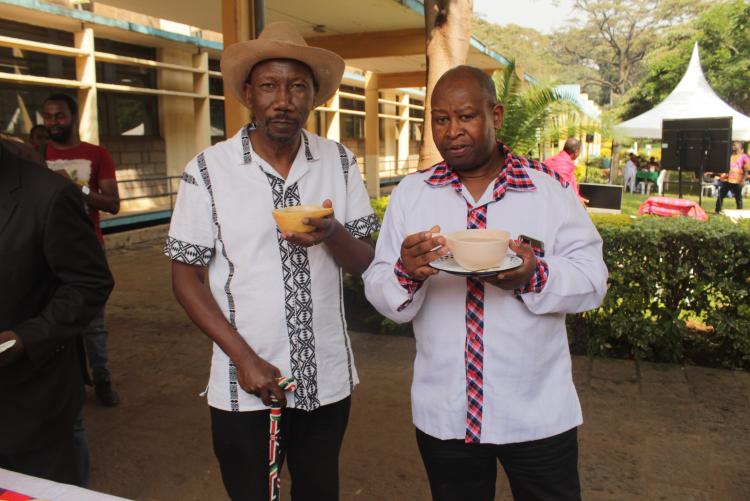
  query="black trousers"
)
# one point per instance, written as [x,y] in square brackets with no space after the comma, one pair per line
[309,441]
[724,189]
[56,461]
[544,469]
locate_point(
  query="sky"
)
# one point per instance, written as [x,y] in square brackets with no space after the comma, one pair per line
[543,15]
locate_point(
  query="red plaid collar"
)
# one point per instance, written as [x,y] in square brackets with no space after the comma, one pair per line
[513,176]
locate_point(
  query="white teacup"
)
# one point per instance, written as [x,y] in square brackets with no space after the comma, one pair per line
[478,249]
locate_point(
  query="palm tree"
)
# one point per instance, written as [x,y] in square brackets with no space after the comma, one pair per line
[527,109]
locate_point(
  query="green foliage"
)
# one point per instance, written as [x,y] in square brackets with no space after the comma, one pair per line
[533,50]
[614,37]
[527,109]
[723,35]
[679,290]
[663,273]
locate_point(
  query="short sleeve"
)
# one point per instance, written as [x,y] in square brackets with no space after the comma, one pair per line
[361,220]
[191,231]
[106,165]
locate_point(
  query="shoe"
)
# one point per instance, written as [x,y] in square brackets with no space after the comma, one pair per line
[105,394]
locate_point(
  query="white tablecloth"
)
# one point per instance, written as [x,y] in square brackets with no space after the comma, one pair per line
[46,489]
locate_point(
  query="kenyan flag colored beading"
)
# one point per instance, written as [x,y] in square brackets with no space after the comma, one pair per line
[274,478]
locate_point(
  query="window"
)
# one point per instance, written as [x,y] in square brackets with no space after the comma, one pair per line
[27,62]
[21,106]
[414,112]
[127,114]
[347,103]
[123,74]
[353,133]
[217,118]
[215,84]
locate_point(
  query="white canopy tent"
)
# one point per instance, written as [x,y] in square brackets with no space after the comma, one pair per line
[692,98]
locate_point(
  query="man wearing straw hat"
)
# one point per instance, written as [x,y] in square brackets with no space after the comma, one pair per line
[275,305]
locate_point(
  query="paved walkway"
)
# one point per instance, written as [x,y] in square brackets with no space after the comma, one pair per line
[651,431]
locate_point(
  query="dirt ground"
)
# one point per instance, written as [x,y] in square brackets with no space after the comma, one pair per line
[651,431]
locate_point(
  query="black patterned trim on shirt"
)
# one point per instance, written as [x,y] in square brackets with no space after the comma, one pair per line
[233,390]
[298,305]
[308,153]
[185,252]
[344,331]
[245,140]
[188,179]
[344,159]
[364,226]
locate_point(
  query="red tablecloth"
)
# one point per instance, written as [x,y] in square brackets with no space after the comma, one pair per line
[668,206]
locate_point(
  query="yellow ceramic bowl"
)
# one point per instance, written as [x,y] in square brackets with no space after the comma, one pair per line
[289,219]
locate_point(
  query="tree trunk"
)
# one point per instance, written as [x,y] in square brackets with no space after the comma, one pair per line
[447,32]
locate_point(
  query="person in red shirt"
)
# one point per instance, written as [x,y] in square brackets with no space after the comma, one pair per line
[88,165]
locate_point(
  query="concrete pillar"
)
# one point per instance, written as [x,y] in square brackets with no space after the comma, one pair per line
[238,25]
[310,123]
[390,125]
[403,135]
[88,117]
[177,114]
[333,119]
[372,137]
[202,107]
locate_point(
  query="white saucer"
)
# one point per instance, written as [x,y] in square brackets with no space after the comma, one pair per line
[7,345]
[449,265]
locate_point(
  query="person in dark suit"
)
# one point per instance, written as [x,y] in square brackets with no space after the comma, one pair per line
[53,280]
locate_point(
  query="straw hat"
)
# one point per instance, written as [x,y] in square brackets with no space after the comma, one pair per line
[281,40]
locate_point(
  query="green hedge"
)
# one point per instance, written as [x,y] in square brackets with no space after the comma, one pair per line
[679,291]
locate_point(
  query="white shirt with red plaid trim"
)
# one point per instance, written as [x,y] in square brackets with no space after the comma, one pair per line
[528,386]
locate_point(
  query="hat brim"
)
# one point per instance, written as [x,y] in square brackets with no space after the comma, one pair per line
[238,59]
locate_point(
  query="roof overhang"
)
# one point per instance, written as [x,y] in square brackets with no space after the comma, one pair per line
[383,36]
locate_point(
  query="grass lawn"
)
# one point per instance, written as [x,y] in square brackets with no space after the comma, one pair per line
[631,202]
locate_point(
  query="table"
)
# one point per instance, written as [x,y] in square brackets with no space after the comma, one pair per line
[644,175]
[668,206]
[40,488]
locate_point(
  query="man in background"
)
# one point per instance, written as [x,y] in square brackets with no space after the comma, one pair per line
[91,168]
[54,280]
[631,167]
[564,163]
[38,138]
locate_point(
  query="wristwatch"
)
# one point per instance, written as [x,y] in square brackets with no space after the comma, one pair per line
[86,190]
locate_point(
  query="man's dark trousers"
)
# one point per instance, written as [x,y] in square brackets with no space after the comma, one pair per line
[539,470]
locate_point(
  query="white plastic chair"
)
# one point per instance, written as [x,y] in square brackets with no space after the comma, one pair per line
[709,189]
[660,181]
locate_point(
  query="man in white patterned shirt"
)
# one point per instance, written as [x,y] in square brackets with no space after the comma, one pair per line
[492,375]
[275,304]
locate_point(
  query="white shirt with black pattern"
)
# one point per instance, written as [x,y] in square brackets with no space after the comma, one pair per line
[285,301]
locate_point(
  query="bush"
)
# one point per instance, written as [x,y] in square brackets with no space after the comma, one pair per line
[679,291]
